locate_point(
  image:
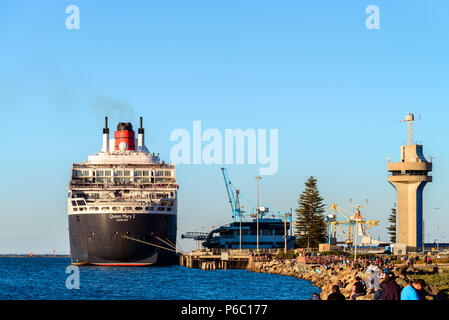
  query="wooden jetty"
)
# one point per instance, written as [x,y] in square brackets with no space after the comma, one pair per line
[224,258]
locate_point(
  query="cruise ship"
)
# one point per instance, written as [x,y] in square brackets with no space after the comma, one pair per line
[122,204]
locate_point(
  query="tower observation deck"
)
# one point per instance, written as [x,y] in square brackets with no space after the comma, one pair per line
[409,177]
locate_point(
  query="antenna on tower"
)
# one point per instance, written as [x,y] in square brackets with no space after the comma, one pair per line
[410,118]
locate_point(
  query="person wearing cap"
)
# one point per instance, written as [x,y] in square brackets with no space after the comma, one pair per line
[414,290]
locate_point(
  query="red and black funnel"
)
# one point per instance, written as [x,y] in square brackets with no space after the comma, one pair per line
[124,137]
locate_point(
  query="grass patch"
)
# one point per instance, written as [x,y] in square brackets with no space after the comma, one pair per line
[441,281]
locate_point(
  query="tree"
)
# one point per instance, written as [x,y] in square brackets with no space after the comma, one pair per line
[311,227]
[392,227]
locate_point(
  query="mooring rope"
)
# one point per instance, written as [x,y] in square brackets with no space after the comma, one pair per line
[170,245]
[173,245]
[148,243]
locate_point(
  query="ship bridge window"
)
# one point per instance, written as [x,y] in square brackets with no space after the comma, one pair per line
[73,203]
[82,173]
[160,173]
[80,202]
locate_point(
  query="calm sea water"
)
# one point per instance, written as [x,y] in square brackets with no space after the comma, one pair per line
[45,278]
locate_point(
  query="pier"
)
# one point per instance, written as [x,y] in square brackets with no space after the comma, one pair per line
[225,259]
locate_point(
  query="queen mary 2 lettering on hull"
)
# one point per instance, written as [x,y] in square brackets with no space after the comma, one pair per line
[122,204]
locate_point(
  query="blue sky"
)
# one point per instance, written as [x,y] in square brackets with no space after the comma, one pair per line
[311,69]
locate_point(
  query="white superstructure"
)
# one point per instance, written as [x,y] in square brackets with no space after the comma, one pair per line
[123,178]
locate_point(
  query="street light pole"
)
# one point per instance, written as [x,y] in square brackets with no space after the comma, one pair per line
[355,237]
[240,214]
[240,231]
[291,222]
[285,232]
[438,231]
[285,229]
[258,178]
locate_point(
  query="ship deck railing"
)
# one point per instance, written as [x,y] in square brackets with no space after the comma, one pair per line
[111,165]
[118,201]
[113,186]
[236,252]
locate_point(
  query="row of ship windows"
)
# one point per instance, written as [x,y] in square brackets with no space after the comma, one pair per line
[121,208]
[124,180]
[274,232]
[122,173]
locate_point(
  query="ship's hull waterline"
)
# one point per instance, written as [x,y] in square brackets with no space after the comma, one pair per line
[97,239]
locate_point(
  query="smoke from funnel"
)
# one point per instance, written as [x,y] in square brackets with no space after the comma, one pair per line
[114,108]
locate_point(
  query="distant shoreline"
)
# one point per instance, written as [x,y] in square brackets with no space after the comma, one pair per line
[34,256]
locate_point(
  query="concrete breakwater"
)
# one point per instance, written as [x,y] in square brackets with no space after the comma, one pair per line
[325,279]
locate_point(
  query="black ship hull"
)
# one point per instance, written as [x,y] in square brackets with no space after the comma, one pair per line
[99,239]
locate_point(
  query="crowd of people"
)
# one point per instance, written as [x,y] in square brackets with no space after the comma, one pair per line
[380,282]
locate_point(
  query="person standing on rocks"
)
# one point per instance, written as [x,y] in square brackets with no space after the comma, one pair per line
[336,294]
[372,283]
[301,260]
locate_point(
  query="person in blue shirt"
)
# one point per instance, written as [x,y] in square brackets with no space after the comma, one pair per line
[413,291]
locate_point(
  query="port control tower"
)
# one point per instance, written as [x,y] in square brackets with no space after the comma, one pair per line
[409,177]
